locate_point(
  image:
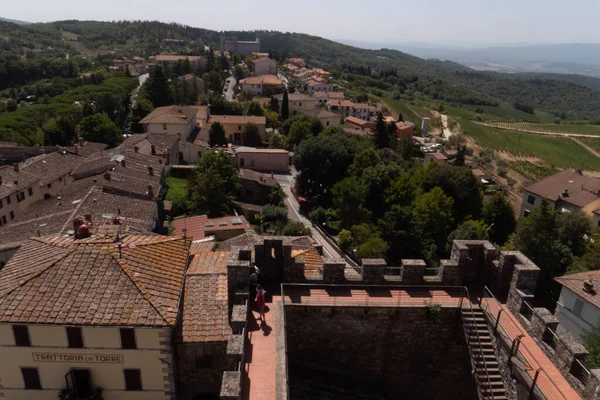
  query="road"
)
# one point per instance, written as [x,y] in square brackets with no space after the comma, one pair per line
[285,181]
[229,84]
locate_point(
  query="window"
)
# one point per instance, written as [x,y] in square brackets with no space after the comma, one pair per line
[241,162]
[75,337]
[31,378]
[4,219]
[49,185]
[133,379]
[1,203]
[12,215]
[526,213]
[8,200]
[60,179]
[21,334]
[531,199]
[164,127]
[20,196]
[128,338]
[30,191]
[327,123]
[239,127]
[578,308]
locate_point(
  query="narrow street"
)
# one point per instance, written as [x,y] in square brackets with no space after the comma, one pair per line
[285,181]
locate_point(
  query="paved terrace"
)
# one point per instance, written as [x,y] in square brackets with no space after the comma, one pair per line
[550,382]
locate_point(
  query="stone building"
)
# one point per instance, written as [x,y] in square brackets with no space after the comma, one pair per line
[233,45]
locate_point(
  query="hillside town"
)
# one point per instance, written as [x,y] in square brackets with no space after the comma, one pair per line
[260,229]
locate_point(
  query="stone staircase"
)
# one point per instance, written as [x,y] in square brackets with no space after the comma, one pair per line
[486,369]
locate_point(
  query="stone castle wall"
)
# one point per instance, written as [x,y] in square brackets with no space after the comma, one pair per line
[400,350]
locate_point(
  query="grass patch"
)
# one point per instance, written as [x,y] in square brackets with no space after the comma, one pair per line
[177,193]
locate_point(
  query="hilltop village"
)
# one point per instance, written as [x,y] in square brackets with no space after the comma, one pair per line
[258,228]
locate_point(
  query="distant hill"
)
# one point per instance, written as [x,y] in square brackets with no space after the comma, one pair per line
[14,21]
[577,96]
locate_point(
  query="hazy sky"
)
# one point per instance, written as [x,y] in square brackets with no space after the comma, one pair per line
[435,21]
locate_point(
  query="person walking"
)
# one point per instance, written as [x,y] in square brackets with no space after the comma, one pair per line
[260,301]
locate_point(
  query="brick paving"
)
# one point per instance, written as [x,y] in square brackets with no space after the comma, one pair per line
[261,368]
[550,381]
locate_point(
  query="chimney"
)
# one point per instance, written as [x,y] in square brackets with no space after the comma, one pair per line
[88,218]
[588,286]
[123,163]
[75,147]
[160,161]
[150,171]
[566,193]
[136,149]
[16,181]
[16,167]
[107,176]
[81,141]
[153,149]
[151,191]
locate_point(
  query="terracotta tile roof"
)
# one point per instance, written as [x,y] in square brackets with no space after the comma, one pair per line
[310,256]
[199,246]
[197,227]
[340,103]
[170,115]
[208,263]
[262,179]
[255,150]
[251,238]
[358,121]
[266,79]
[87,149]
[171,58]
[574,283]
[52,166]
[205,309]
[582,189]
[59,280]
[361,106]
[295,97]
[248,206]
[261,59]
[320,113]
[237,119]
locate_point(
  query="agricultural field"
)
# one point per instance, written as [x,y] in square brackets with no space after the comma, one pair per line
[546,128]
[409,112]
[531,171]
[556,151]
[591,142]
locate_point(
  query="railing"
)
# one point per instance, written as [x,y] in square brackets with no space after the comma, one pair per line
[526,310]
[432,271]
[541,384]
[392,273]
[550,338]
[285,347]
[476,359]
[580,371]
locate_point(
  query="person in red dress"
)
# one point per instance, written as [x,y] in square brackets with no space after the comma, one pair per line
[260,301]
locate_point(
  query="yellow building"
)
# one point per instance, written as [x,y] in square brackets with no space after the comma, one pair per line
[89,316]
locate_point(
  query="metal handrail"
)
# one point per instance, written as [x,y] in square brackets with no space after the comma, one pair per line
[285,347]
[521,350]
[487,374]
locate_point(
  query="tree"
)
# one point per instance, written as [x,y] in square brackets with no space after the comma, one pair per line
[216,135]
[239,72]
[294,228]
[349,197]
[158,88]
[573,229]
[592,344]
[276,196]
[251,135]
[460,184]
[372,248]
[254,109]
[398,228]
[213,81]
[99,128]
[274,105]
[499,216]
[381,135]
[298,133]
[215,185]
[433,216]
[345,240]
[272,213]
[142,107]
[468,230]
[316,126]
[537,238]
[285,106]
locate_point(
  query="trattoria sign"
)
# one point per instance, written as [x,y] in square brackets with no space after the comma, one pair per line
[79,358]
